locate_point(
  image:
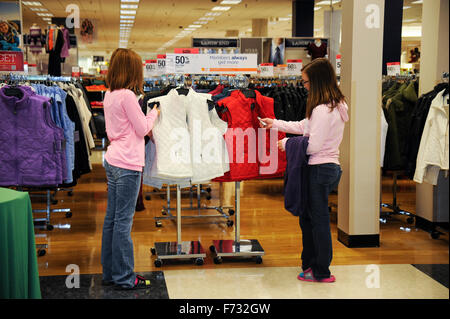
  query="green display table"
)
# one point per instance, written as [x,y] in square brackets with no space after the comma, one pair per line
[19,277]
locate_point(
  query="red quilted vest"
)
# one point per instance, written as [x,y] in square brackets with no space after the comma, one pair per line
[244,142]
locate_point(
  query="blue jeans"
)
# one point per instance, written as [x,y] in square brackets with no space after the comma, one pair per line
[315,222]
[117,246]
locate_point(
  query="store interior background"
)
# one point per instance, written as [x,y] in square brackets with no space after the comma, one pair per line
[160,27]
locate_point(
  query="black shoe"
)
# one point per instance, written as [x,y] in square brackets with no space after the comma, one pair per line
[140,283]
[107,283]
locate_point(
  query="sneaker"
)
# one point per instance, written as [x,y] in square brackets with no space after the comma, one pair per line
[139,283]
[308,276]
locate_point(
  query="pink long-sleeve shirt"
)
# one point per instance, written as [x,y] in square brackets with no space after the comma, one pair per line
[325,130]
[126,126]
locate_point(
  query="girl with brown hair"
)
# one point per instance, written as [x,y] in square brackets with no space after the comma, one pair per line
[126,127]
[326,114]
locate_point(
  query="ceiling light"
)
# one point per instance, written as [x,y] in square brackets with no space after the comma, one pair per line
[206,19]
[317,8]
[38,9]
[127,17]
[200,22]
[221,8]
[409,20]
[406,7]
[47,19]
[129,0]
[132,12]
[284,19]
[45,14]
[32,3]
[126,21]
[190,29]
[213,14]
[195,26]
[231,1]
[128,6]
[417,2]
[327,2]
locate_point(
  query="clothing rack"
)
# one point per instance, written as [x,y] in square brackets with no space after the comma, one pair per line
[179,249]
[241,248]
[166,210]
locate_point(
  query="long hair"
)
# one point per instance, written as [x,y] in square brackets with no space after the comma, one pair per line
[323,86]
[125,71]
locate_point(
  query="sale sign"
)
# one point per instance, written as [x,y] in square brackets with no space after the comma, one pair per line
[11,61]
[294,67]
[393,68]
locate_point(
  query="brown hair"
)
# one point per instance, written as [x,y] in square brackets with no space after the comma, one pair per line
[323,86]
[125,71]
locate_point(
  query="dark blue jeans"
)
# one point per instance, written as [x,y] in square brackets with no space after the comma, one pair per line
[315,222]
[117,247]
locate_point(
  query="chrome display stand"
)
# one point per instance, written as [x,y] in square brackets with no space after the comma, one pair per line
[179,249]
[166,210]
[237,247]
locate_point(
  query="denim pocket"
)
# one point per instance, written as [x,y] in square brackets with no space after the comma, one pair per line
[327,174]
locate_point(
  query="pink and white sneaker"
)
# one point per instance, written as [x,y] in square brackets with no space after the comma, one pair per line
[307,275]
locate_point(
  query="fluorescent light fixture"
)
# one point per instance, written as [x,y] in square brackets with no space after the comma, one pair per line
[231,1]
[327,2]
[190,29]
[32,3]
[417,2]
[194,26]
[409,20]
[406,7]
[284,19]
[128,6]
[126,21]
[45,14]
[206,18]
[213,14]
[127,17]
[200,22]
[130,1]
[38,9]
[132,12]
[221,8]
[47,19]
[317,8]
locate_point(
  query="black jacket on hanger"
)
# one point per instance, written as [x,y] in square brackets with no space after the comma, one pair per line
[54,56]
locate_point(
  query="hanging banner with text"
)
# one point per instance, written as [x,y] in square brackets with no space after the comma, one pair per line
[11,61]
[393,68]
[338,64]
[294,67]
[161,64]
[211,63]
[151,68]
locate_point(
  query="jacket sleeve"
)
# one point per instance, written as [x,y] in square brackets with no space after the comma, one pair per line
[290,126]
[141,123]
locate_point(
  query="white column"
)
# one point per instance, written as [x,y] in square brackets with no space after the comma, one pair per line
[361,78]
[433,62]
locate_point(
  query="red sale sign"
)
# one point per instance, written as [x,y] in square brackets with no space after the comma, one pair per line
[11,61]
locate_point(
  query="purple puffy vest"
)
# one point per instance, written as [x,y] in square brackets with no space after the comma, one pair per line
[31,145]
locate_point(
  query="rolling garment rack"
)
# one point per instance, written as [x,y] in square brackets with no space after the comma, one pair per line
[179,249]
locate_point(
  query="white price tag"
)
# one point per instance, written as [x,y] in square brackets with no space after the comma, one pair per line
[294,67]
[181,63]
[393,68]
[266,69]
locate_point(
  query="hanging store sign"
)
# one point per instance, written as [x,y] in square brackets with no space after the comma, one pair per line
[294,67]
[393,68]
[338,64]
[228,64]
[214,43]
[280,70]
[266,69]
[211,63]
[151,68]
[161,64]
[11,61]
[300,43]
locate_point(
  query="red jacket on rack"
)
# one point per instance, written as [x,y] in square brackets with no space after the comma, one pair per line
[250,156]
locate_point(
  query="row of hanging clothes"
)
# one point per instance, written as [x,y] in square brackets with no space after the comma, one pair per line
[405,115]
[45,135]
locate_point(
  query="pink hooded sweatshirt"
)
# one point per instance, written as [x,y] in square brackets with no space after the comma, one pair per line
[325,130]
